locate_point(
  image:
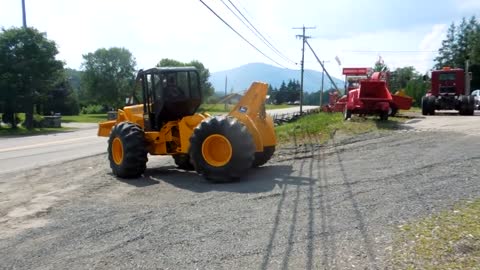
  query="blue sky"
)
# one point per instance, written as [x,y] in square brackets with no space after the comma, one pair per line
[358,32]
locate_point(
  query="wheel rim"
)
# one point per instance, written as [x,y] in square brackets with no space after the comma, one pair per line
[217,150]
[117,151]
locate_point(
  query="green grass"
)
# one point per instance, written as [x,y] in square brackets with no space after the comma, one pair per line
[323,125]
[84,118]
[448,240]
[21,131]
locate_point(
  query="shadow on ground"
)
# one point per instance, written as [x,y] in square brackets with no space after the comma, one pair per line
[257,180]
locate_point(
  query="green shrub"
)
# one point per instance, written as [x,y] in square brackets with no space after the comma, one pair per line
[93,109]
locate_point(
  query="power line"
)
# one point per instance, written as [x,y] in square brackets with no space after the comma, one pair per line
[392,51]
[257,32]
[323,66]
[218,16]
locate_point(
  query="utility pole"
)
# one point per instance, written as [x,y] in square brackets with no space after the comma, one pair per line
[467,77]
[303,37]
[24,16]
[323,78]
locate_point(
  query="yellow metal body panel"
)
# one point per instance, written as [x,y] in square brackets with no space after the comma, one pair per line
[174,136]
[186,127]
[250,110]
[132,114]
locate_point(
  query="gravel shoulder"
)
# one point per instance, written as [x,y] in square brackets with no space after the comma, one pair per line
[313,206]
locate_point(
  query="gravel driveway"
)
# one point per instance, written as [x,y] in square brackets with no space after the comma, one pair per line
[312,207]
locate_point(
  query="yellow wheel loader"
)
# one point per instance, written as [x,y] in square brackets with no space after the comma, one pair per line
[163,121]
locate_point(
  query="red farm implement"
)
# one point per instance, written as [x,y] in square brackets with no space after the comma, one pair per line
[367,95]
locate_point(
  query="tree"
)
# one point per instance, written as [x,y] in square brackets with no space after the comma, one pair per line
[462,43]
[380,66]
[28,71]
[447,50]
[399,78]
[61,99]
[108,76]
[416,88]
[204,73]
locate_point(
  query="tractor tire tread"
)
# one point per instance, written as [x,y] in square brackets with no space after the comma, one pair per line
[134,150]
[243,148]
[263,157]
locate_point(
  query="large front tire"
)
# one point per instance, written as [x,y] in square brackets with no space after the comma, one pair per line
[127,150]
[221,149]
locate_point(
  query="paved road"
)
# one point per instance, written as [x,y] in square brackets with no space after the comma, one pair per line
[22,153]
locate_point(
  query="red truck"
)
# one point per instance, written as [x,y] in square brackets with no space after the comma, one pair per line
[449,91]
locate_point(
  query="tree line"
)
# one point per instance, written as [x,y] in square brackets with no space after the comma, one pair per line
[32,81]
[462,43]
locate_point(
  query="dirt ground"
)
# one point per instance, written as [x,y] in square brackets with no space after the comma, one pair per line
[313,206]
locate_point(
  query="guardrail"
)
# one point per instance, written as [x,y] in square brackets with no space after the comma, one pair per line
[282,118]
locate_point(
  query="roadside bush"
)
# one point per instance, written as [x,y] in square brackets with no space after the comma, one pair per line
[93,109]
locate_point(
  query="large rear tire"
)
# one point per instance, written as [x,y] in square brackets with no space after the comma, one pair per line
[263,157]
[127,150]
[221,149]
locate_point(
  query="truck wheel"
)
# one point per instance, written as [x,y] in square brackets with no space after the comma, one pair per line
[221,149]
[425,106]
[127,150]
[347,114]
[470,105]
[431,104]
[463,108]
[262,157]
[183,162]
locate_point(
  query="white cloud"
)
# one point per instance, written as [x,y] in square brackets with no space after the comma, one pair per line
[468,5]
[431,42]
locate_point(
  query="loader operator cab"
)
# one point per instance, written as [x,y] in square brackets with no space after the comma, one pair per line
[169,94]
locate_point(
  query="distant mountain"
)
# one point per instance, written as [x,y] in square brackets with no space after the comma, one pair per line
[240,78]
